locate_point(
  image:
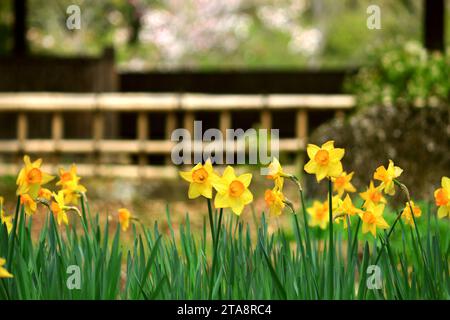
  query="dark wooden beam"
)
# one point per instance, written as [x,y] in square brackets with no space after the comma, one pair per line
[243,81]
[20,27]
[434,24]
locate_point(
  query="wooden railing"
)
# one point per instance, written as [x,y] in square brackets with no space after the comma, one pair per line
[144,104]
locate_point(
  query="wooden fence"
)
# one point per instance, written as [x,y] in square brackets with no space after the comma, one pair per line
[174,106]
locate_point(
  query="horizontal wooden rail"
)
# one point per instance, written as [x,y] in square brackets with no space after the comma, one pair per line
[44,102]
[99,106]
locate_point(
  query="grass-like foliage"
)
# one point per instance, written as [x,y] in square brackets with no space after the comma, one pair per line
[333,250]
[290,263]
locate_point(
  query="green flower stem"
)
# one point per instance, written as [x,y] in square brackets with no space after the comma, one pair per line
[416,228]
[13,236]
[355,238]
[387,237]
[214,262]
[305,220]
[211,222]
[331,249]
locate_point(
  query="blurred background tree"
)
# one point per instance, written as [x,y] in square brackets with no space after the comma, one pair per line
[204,34]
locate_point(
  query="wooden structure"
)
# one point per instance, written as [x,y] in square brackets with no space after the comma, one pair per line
[179,110]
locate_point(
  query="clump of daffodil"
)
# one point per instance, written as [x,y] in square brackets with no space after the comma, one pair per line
[28,204]
[346,208]
[60,208]
[342,183]
[124,218]
[275,201]
[4,219]
[200,178]
[372,219]
[406,213]
[372,195]
[387,176]
[442,198]
[232,190]
[3,272]
[69,181]
[31,178]
[325,161]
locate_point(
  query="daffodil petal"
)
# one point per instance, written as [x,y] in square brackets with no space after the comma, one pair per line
[220,185]
[186,175]
[221,200]
[329,145]
[336,154]
[206,190]
[228,174]
[247,197]
[238,209]
[321,172]
[245,178]
[195,191]
[443,211]
[335,169]
[310,167]
[311,150]
[445,181]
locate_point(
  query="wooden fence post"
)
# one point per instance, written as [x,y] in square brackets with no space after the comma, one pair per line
[142,135]
[57,136]
[171,124]
[22,133]
[302,136]
[97,137]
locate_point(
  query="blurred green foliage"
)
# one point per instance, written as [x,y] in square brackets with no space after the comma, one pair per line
[167,34]
[406,75]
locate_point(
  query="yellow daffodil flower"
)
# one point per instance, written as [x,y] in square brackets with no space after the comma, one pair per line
[276,173]
[442,198]
[346,207]
[28,204]
[372,195]
[325,161]
[387,176]
[31,178]
[124,218]
[200,178]
[407,216]
[319,214]
[372,219]
[274,201]
[45,193]
[342,183]
[3,272]
[70,183]
[4,219]
[232,191]
[59,208]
